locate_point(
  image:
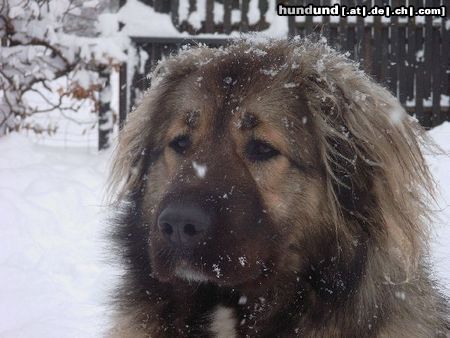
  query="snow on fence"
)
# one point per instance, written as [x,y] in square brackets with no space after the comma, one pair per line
[410,56]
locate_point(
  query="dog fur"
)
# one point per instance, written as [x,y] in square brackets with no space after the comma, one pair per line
[326,238]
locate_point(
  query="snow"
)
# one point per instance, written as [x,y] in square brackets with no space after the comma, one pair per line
[271,72]
[141,20]
[440,167]
[242,300]
[290,85]
[242,260]
[228,80]
[278,24]
[445,100]
[427,102]
[396,115]
[76,128]
[200,169]
[77,42]
[253,12]
[53,274]
[216,269]
[54,271]
[183,10]
[196,18]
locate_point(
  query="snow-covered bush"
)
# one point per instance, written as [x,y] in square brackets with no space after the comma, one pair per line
[46,40]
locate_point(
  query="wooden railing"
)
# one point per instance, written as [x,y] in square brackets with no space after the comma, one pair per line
[410,56]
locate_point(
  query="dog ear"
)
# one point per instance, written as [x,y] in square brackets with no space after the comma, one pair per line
[371,150]
[133,151]
[140,139]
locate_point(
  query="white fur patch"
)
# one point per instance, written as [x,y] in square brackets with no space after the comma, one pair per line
[223,323]
[190,275]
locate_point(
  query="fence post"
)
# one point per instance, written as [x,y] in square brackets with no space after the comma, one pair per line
[123,94]
[105,115]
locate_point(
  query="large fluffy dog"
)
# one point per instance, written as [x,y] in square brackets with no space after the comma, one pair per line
[272,189]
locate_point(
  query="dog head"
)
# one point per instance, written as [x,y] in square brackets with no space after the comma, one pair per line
[260,160]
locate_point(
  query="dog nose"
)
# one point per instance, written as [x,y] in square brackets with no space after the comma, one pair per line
[183,225]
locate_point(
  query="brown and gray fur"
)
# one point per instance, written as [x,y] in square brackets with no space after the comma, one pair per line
[327,238]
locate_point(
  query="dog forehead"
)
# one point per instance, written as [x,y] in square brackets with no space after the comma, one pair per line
[219,94]
[227,92]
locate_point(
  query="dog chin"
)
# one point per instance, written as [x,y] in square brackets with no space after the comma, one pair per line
[190,275]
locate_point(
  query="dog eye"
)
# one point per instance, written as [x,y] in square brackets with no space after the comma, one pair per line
[260,151]
[180,144]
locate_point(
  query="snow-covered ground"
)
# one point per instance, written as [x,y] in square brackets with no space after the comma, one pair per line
[53,270]
[440,167]
[54,275]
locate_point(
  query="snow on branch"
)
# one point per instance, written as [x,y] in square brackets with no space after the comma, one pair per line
[46,40]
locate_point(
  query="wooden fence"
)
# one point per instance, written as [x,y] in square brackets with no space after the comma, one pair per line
[410,56]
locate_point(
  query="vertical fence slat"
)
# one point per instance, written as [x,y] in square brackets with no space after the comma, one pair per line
[244,16]
[436,74]
[384,46]
[359,39]
[393,65]
[377,42]
[105,117]
[367,43]
[333,34]
[134,84]
[445,66]
[156,53]
[402,63]
[309,22]
[123,104]
[209,18]
[411,58]
[158,5]
[420,69]
[343,29]
[292,26]
[292,31]
[332,30]
[298,19]
[423,68]
[351,34]
[325,29]
[227,16]
[174,4]
[427,51]
[147,67]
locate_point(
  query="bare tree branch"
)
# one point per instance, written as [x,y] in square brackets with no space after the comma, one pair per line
[40,44]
